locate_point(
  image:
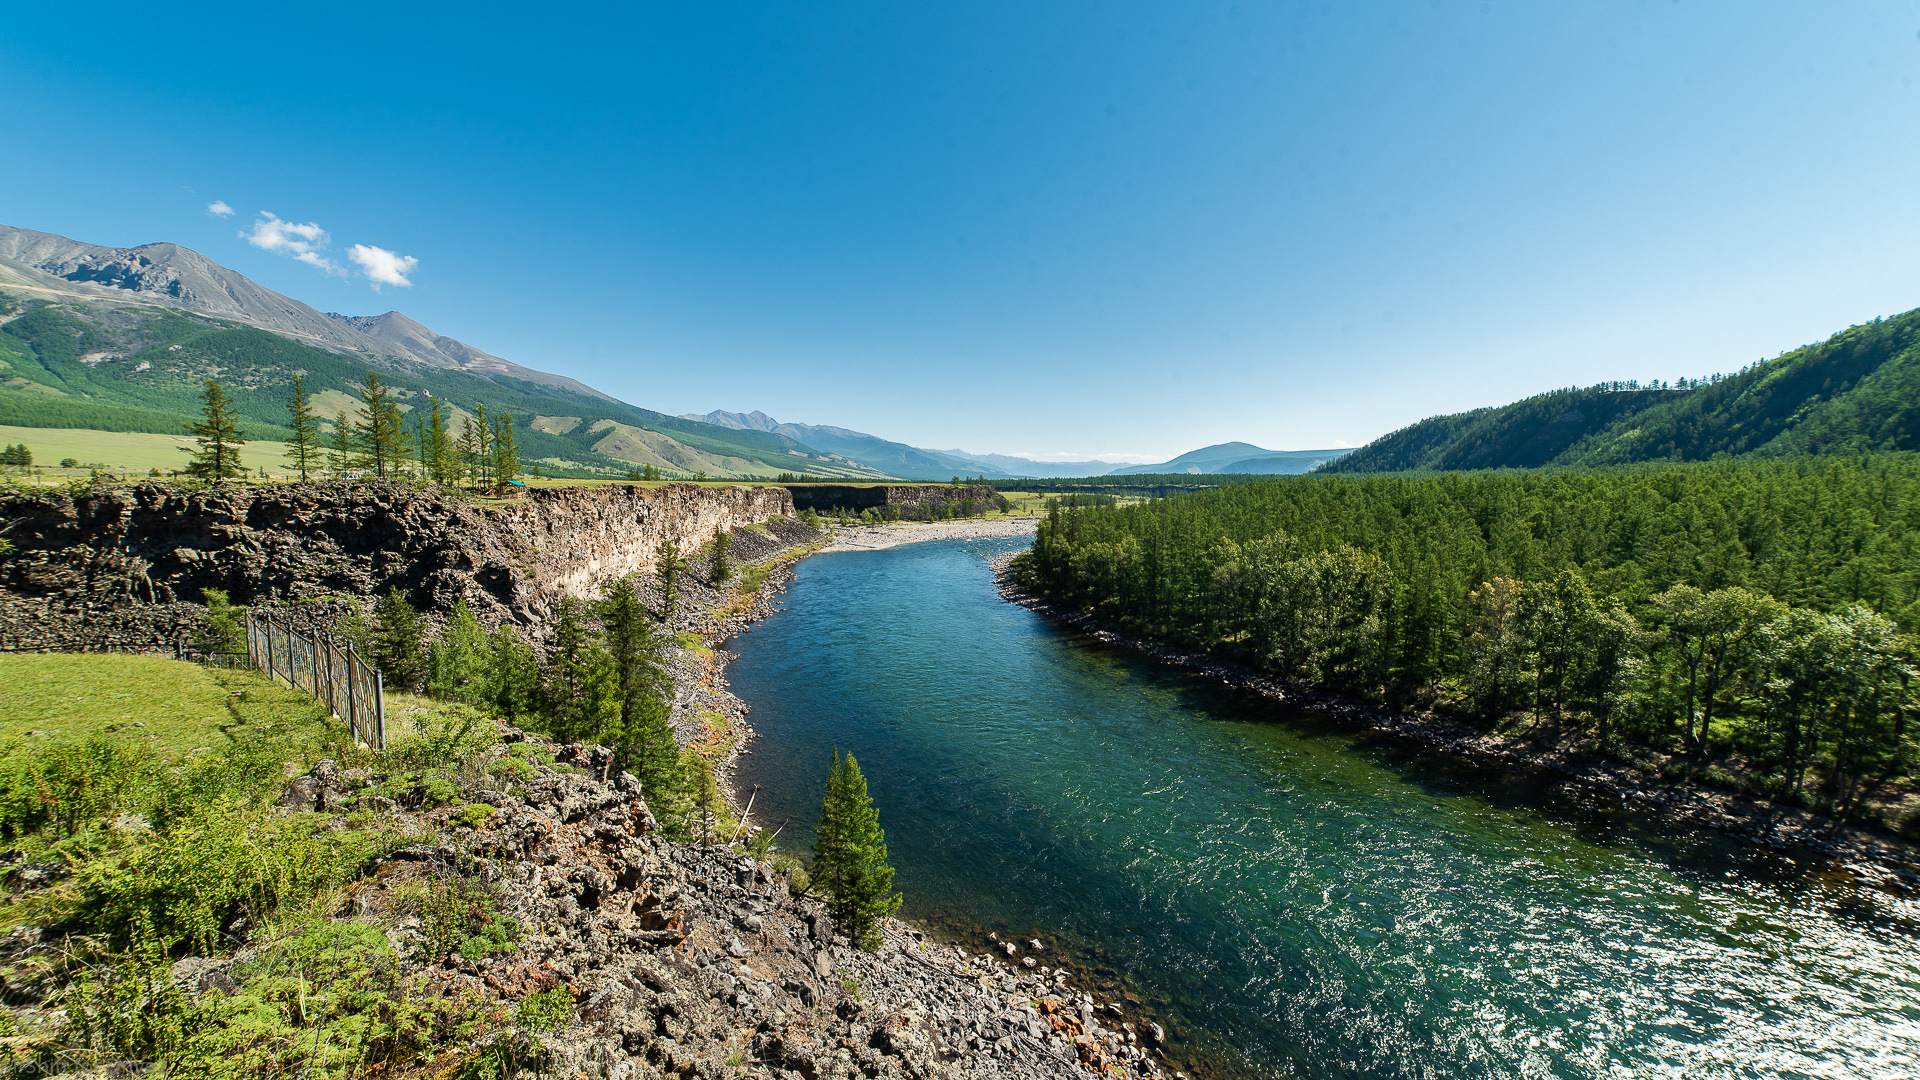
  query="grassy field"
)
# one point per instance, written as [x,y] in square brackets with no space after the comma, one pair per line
[177,708]
[127,451]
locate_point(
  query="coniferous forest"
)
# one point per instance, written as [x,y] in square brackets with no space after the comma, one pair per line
[1755,619]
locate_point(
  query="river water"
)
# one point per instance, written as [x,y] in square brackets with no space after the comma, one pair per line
[1288,896]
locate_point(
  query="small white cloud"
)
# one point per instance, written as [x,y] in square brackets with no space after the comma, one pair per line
[219,208]
[381,266]
[294,240]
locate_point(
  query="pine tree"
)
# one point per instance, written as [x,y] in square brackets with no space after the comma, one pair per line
[510,678]
[218,436]
[340,448]
[506,455]
[442,466]
[644,743]
[581,692]
[304,448]
[667,563]
[381,437]
[650,473]
[477,442]
[722,567]
[458,658]
[850,856]
[399,642]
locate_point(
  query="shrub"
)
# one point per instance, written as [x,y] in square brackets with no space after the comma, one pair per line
[71,786]
[221,863]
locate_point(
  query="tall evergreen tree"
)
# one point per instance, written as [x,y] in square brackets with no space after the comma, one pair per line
[644,744]
[850,856]
[510,678]
[667,564]
[340,446]
[442,465]
[458,658]
[304,448]
[721,564]
[218,438]
[506,454]
[476,442]
[381,437]
[580,694]
[399,642]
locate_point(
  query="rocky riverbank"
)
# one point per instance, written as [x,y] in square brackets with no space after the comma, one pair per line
[989,1009]
[1843,853]
[697,961]
[895,533]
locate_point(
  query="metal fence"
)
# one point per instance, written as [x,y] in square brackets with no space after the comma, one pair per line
[325,667]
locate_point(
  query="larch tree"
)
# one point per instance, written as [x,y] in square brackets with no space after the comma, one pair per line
[382,437]
[644,744]
[304,448]
[216,456]
[506,453]
[850,856]
[667,563]
[340,447]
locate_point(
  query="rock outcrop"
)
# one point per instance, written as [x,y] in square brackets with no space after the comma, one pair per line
[695,960]
[125,567]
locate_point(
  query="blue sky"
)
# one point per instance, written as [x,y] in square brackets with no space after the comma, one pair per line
[1056,229]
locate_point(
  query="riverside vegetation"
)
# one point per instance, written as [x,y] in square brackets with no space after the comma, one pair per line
[1750,623]
[132,856]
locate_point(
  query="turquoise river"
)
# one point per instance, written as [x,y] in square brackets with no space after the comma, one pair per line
[1287,896]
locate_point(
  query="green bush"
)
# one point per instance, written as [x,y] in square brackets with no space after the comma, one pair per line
[71,787]
[511,768]
[460,915]
[190,881]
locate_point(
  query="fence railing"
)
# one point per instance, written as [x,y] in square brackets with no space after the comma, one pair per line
[325,667]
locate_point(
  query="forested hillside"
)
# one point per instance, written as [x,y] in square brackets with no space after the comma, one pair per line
[1858,391]
[128,368]
[1763,609]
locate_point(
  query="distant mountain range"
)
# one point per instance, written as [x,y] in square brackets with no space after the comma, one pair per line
[121,338]
[1857,391]
[917,463]
[1239,457]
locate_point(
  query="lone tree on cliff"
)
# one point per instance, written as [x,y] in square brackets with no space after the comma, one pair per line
[850,856]
[722,565]
[218,436]
[667,563]
[304,448]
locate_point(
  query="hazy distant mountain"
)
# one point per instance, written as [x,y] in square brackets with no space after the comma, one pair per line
[121,339]
[892,458]
[1857,391]
[1027,467]
[899,459]
[1239,457]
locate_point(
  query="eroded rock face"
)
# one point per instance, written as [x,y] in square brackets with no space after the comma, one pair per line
[126,567]
[696,960]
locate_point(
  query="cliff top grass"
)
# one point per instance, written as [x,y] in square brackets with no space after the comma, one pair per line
[178,708]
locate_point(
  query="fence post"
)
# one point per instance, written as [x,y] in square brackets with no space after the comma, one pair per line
[269,622]
[379,710]
[353,718]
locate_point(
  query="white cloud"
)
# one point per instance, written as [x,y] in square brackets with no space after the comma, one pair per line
[383,267]
[219,208]
[297,241]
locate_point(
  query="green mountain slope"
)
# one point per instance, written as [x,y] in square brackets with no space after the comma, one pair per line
[80,363]
[1857,391]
